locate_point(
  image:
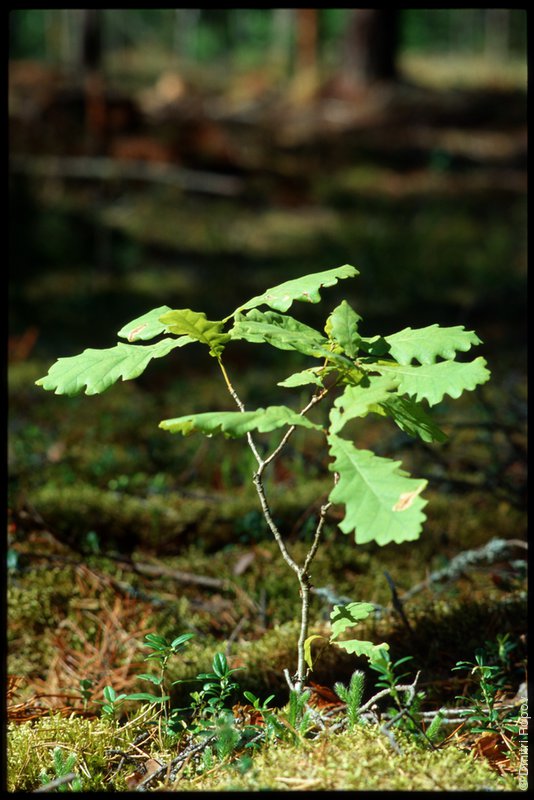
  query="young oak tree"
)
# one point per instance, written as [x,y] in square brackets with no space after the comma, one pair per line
[391,375]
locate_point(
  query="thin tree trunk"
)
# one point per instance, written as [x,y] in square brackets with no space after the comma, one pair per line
[370,46]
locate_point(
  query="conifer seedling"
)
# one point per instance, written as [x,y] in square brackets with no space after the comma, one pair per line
[351,376]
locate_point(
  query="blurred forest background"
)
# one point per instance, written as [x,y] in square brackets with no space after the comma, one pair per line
[193,158]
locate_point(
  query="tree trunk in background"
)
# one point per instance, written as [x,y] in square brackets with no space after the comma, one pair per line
[91,52]
[283,20]
[370,46]
[305,72]
[306,60]
[91,44]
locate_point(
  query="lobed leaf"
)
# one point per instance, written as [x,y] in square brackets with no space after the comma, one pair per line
[342,325]
[281,330]
[305,377]
[237,423]
[432,381]
[305,289]
[145,327]
[195,325]
[356,401]
[285,333]
[343,617]
[427,344]
[359,647]
[97,370]
[382,502]
[413,419]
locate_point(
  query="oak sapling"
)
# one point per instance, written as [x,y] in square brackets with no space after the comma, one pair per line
[353,375]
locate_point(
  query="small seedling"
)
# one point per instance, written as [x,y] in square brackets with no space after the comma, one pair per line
[63,765]
[352,376]
[217,688]
[352,696]
[162,649]
[486,715]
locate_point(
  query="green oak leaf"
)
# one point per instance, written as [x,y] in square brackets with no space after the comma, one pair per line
[432,381]
[359,647]
[145,327]
[283,332]
[382,503]
[313,375]
[97,370]
[237,423]
[343,617]
[198,327]
[413,419]
[342,325]
[357,401]
[305,289]
[427,344]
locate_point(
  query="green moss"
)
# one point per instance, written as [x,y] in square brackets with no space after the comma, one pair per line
[160,521]
[36,605]
[30,747]
[360,760]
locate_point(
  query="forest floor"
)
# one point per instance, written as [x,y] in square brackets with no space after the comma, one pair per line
[118,530]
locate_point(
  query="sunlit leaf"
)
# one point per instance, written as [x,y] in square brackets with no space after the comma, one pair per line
[359,647]
[343,617]
[145,327]
[427,344]
[198,327]
[97,370]
[342,325]
[285,333]
[305,289]
[432,381]
[347,616]
[382,503]
[357,400]
[303,378]
[237,423]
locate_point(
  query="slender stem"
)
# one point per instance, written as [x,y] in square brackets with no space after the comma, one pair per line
[241,407]
[301,572]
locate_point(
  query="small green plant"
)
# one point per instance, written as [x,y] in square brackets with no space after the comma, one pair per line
[63,766]
[387,670]
[86,690]
[211,700]
[353,376]
[162,649]
[352,696]
[486,713]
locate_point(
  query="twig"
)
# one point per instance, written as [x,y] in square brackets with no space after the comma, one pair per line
[288,680]
[492,551]
[185,754]
[61,781]
[397,603]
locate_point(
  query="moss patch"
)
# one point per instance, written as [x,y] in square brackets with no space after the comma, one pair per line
[361,760]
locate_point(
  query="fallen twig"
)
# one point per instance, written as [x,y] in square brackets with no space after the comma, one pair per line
[492,551]
[56,783]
